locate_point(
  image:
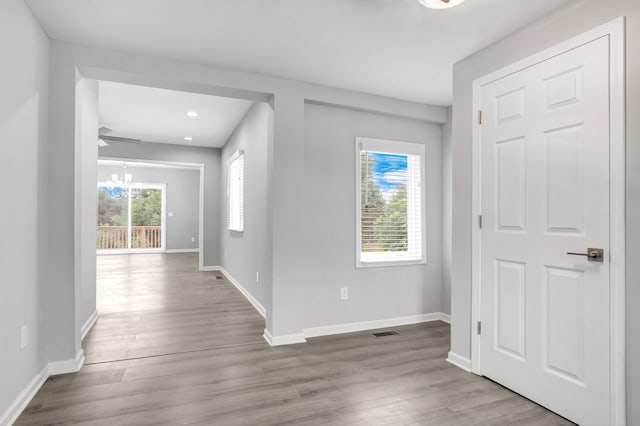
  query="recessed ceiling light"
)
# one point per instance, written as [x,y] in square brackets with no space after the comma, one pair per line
[188,138]
[192,114]
[440,4]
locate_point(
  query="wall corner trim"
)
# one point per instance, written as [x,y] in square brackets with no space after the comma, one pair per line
[29,392]
[459,361]
[211,268]
[24,398]
[287,339]
[88,325]
[255,302]
[67,366]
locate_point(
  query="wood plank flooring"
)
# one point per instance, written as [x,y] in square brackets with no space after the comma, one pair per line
[154,304]
[351,379]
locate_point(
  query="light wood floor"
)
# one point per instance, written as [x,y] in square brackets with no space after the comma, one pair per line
[217,370]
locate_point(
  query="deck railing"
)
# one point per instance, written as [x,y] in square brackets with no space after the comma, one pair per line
[142,237]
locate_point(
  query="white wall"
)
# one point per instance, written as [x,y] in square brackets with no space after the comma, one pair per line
[328,197]
[88,121]
[578,17]
[285,161]
[242,254]
[24,49]
[182,199]
[447,194]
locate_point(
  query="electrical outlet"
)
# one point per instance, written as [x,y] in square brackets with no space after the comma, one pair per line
[170,214]
[344,293]
[23,337]
[193,239]
[258,277]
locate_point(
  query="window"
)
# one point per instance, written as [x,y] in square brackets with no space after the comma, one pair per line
[390,207]
[235,192]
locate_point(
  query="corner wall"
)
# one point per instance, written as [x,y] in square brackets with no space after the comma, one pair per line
[574,19]
[24,90]
[87,119]
[329,200]
[243,254]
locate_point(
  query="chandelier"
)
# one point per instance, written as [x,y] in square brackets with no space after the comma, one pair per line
[121,186]
[440,4]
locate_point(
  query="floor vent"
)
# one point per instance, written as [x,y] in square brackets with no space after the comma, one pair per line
[385,333]
[219,277]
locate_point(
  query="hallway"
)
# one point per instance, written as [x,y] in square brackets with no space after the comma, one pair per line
[178,346]
[157,304]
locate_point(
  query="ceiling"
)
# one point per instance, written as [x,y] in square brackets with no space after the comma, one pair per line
[395,48]
[160,115]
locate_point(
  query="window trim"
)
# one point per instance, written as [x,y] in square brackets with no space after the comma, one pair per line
[239,154]
[391,147]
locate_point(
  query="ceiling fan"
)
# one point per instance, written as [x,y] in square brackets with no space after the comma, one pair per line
[103,137]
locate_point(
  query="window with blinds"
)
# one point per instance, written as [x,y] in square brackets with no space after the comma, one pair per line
[390,208]
[235,192]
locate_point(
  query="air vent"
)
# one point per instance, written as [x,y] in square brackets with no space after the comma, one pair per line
[219,277]
[385,333]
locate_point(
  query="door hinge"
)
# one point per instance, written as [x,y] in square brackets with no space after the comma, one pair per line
[480,221]
[479,327]
[480,117]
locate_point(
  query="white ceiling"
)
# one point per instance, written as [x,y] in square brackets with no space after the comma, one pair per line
[160,115]
[395,48]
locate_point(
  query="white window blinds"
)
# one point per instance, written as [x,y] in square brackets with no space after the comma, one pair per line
[235,192]
[390,208]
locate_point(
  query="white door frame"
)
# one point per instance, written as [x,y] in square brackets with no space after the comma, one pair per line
[615,31]
[177,165]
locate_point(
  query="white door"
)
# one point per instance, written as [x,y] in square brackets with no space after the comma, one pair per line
[545,193]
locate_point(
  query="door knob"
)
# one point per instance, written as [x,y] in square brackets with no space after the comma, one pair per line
[592,254]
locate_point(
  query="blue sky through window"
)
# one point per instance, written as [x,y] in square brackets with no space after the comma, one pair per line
[389,171]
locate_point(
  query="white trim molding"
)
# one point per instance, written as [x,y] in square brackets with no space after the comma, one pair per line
[24,398]
[372,325]
[287,339]
[67,366]
[187,250]
[459,361]
[615,31]
[255,302]
[88,325]
[210,268]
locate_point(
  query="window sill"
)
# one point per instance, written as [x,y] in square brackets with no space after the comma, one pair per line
[390,263]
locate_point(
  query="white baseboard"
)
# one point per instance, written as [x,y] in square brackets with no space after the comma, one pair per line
[287,339]
[88,325]
[20,403]
[372,325]
[211,268]
[459,361]
[445,317]
[187,250]
[53,368]
[255,302]
[67,366]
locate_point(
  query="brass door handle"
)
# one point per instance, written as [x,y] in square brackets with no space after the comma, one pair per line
[592,254]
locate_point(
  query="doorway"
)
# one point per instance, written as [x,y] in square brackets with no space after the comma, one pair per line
[131,219]
[548,265]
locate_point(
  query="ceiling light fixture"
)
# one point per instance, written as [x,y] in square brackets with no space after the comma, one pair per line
[122,186]
[192,114]
[188,138]
[440,4]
